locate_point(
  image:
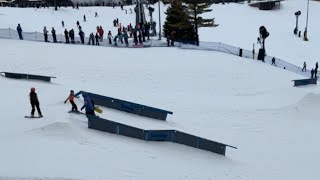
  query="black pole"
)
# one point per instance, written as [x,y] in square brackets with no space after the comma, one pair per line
[159,20]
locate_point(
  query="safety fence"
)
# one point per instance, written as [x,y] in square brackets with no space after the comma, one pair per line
[209,46]
[225,48]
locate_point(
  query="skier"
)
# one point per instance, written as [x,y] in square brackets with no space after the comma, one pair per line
[317,66]
[34,102]
[97,38]
[84,18]
[71,99]
[273,61]
[110,37]
[88,104]
[19,29]
[45,33]
[78,24]
[115,23]
[53,31]
[95,14]
[312,73]
[304,66]
[62,22]
[66,35]
[130,11]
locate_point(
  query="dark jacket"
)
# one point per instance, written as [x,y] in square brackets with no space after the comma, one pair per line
[33,98]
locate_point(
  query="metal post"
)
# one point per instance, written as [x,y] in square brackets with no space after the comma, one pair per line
[159,20]
[305,35]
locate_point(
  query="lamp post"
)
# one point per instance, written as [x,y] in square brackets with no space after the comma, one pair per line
[305,34]
[298,13]
[159,20]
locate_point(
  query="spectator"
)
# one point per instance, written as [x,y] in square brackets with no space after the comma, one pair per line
[45,33]
[66,35]
[53,31]
[19,29]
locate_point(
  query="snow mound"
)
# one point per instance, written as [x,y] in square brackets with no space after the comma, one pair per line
[57,130]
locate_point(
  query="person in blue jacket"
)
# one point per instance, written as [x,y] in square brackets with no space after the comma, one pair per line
[88,104]
[19,29]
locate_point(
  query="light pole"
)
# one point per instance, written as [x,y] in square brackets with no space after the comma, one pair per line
[298,13]
[305,34]
[159,20]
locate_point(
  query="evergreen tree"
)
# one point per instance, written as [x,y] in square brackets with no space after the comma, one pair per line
[195,9]
[177,22]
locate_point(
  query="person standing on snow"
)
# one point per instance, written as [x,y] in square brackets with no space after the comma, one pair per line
[78,24]
[273,61]
[101,32]
[95,14]
[304,66]
[110,37]
[19,29]
[71,34]
[312,73]
[53,31]
[66,35]
[97,38]
[62,23]
[84,18]
[81,34]
[71,100]
[34,102]
[88,104]
[45,33]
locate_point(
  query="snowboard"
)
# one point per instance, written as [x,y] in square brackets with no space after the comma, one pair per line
[33,117]
[76,112]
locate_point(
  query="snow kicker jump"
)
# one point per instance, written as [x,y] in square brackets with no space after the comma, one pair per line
[127,106]
[173,136]
[27,76]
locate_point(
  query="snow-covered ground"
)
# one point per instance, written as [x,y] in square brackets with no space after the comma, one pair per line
[221,97]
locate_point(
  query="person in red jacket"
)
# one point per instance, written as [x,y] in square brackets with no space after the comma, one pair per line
[34,102]
[71,100]
[101,32]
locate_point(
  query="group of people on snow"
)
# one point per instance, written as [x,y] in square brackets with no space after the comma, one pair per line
[88,105]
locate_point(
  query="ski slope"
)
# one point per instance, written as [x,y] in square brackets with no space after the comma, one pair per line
[225,98]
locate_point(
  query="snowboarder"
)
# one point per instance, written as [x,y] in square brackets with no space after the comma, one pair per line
[312,73]
[34,101]
[88,104]
[84,18]
[62,23]
[115,23]
[78,24]
[317,66]
[95,14]
[19,29]
[66,35]
[130,11]
[273,61]
[53,31]
[71,100]
[45,33]
[110,37]
[304,66]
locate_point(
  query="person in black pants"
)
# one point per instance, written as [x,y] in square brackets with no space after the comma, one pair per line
[66,34]
[81,34]
[71,99]
[34,102]
[53,31]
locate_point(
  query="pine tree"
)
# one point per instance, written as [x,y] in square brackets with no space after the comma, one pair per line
[195,9]
[177,21]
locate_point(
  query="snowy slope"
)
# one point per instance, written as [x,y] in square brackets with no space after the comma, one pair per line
[217,96]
